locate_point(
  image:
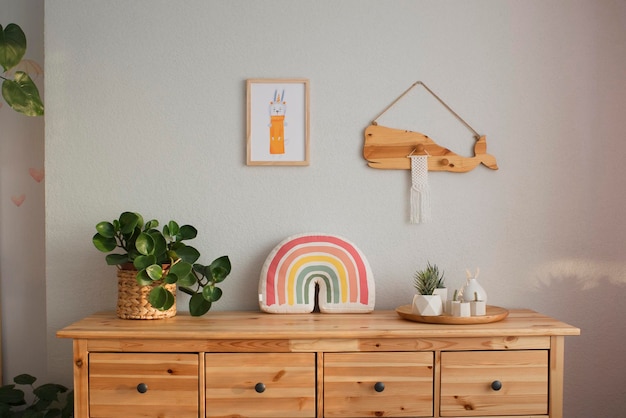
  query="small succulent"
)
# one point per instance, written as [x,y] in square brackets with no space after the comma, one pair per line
[427,280]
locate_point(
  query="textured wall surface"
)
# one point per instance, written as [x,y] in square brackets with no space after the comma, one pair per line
[146,111]
[22,230]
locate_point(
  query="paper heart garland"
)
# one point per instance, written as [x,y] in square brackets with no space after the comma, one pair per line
[37,175]
[18,200]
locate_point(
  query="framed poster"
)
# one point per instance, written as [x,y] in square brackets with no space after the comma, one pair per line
[277,122]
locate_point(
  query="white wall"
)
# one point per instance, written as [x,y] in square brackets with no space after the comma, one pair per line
[22,230]
[146,111]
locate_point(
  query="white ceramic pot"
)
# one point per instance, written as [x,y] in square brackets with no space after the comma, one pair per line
[461,309]
[478,308]
[427,305]
[443,294]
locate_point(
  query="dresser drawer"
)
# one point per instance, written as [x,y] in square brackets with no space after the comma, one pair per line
[398,384]
[143,385]
[484,383]
[260,384]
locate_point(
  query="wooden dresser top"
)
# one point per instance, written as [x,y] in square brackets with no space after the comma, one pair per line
[260,325]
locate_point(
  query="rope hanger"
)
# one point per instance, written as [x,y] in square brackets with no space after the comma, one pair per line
[374,122]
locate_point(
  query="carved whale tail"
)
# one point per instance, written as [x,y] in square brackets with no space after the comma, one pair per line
[480,151]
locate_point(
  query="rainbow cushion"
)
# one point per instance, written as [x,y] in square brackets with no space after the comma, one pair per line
[297,264]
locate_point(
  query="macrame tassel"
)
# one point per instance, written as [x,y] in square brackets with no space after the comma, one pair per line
[420,192]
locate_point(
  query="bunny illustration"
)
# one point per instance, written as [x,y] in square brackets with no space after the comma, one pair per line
[278,108]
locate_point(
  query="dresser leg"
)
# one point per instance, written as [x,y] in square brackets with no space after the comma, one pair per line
[81,379]
[320,384]
[557,352]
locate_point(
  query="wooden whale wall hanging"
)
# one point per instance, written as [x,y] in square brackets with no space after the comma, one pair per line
[389,148]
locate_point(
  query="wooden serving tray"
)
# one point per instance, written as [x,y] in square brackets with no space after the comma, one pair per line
[494,314]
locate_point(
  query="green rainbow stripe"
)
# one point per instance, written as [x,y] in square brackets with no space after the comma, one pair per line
[306,265]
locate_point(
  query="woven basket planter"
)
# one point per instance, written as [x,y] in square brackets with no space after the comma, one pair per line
[132,299]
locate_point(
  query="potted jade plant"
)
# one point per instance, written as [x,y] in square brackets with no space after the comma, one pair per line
[153,262]
[425,302]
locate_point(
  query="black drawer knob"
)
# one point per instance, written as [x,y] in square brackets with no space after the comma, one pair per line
[496,385]
[379,386]
[142,388]
[259,387]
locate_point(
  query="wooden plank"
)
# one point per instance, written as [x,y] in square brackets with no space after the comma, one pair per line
[320,384]
[350,381]
[81,378]
[469,343]
[288,379]
[201,385]
[466,379]
[171,385]
[557,357]
[258,325]
[187,345]
[437,384]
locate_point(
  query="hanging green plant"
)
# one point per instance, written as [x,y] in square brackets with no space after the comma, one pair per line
[20,92]
[49,400]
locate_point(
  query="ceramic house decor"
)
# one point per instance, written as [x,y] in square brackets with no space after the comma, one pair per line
[296,265]
[472,289]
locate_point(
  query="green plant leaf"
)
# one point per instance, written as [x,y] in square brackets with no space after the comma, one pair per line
[5,410]
[143,279]
[116,259]
[160,245]
[170,300]
[33,413]
[158,297]
[143,261]
[151,224]
[201,270]
[128,222]
[187,232]
[53,413]
[161,298]
[106,229]
[211,293]
[179,270]
[171,228]
[186,252]
[187,281]
[49,391]
[24,379]
[12,46]
[220,268]
[68,409]
[198,306]
[103,243]
[22,95]
[155,272]
[145,244]
[11,396]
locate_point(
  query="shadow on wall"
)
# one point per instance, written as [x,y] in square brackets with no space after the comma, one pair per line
[590,295]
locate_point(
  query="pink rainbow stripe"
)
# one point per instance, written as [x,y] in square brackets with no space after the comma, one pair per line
[273,287]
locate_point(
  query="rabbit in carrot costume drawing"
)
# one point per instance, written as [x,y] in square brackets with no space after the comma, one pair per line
[278,108]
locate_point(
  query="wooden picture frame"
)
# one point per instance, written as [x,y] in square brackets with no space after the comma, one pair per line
[277,121]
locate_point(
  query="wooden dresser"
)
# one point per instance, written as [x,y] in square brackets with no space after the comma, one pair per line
[254,364]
